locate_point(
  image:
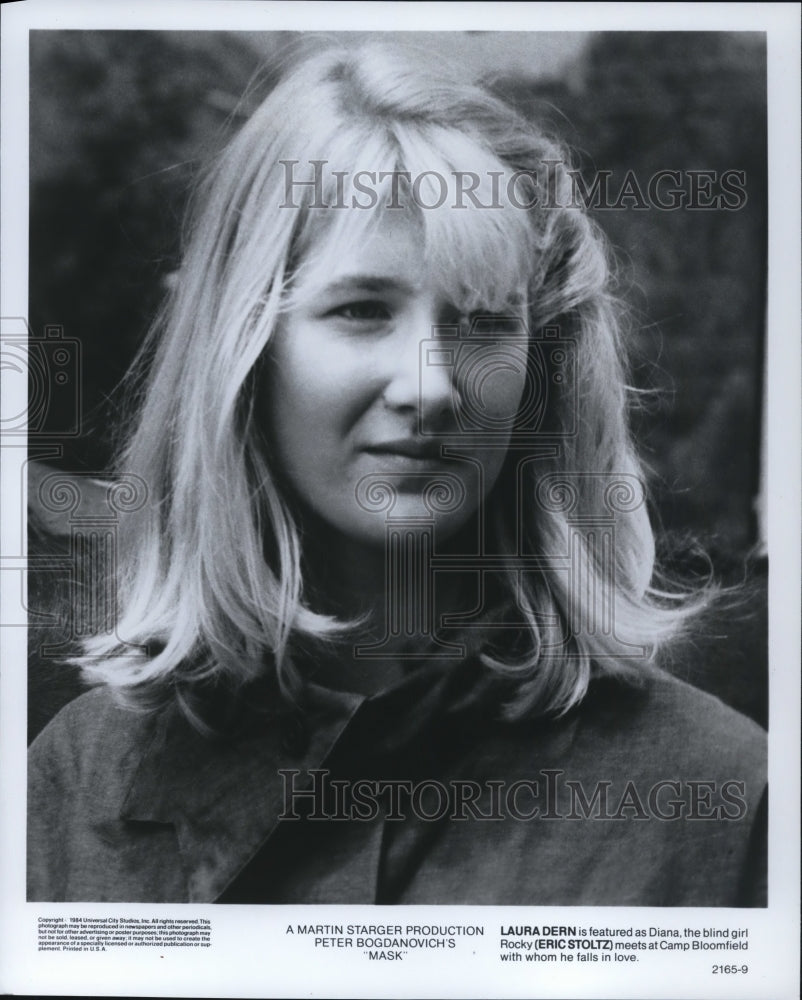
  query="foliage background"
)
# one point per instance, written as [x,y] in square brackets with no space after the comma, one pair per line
[121,120]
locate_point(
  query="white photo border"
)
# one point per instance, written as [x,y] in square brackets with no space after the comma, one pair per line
[251,954]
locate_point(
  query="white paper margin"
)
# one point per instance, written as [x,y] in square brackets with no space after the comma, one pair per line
[251,955]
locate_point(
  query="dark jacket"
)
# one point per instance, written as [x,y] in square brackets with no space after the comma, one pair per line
[648,795]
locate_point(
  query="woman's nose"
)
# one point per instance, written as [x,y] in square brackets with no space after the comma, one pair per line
[421,375]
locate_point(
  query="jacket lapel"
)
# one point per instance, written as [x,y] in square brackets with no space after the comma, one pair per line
[224,797]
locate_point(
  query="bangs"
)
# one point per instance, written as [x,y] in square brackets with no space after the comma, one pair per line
[478,237]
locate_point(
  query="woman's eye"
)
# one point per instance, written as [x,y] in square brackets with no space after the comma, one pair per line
[365,312]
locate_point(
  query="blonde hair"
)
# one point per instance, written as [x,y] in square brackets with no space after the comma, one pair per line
[210,570]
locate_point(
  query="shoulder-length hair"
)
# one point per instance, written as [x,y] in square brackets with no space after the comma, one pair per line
[210,571]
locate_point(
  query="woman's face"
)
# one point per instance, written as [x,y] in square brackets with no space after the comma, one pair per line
[377,411]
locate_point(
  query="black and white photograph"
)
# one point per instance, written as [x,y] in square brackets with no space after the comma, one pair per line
[391,501]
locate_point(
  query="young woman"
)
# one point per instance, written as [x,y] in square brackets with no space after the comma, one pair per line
[388,621]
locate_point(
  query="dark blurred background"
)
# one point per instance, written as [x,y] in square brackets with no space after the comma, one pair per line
[120,122]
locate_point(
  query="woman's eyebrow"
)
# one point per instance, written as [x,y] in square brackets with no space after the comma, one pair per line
[367,283]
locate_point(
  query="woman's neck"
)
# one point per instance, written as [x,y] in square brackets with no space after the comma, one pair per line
[344,577]
[352,581]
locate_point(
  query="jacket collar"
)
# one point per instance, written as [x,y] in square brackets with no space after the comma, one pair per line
[224,797]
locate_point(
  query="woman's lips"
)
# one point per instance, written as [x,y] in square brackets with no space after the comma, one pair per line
[408,454]
[408,447]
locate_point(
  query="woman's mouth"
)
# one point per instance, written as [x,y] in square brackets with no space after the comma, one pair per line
[406,454]
[418,448]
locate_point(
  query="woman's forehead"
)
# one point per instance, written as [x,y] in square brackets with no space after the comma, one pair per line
[389,249]
[474,259]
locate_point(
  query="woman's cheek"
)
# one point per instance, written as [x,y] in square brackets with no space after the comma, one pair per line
[490,386]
